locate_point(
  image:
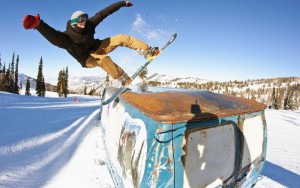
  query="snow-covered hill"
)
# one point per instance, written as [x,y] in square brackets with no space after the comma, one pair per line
[97,82]
[260,90]
[78,83]
[23,79]
[56,142]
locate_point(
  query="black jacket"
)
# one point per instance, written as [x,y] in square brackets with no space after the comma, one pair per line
[79,42]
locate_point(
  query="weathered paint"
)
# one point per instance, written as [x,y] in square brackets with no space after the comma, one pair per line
[208,153]
[183,106]
[199,126]
[184,131]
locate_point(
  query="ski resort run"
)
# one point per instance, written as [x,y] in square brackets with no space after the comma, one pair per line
[56,142]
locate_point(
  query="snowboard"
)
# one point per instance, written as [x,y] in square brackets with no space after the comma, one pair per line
[136,74]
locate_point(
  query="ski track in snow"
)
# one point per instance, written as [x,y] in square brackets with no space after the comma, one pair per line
[30,158]
[36,141]
[54,142]
[282,168]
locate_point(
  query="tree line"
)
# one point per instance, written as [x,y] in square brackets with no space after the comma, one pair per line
[9,76]
[279,93]
[9,79]
[285,98]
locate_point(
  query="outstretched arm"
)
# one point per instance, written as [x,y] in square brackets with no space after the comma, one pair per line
[57,38]
[101,15]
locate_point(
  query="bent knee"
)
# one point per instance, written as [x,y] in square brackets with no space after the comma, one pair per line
[120,37]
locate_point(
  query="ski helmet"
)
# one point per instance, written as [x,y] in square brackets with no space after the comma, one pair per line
[76,15]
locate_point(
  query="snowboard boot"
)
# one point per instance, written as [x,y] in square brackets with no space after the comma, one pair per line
[31,22]
[151,53]
[124,79]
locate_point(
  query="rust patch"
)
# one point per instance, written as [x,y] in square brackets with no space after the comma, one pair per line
[257,164]
[183,106]
[169,161]
[241,123]
[155,171]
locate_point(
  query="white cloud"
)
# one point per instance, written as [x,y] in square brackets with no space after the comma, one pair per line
[148,31]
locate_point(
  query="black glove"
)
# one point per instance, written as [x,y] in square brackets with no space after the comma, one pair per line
[128,4]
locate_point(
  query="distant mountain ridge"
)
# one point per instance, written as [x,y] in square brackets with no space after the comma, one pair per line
[259,89]
[23,78]
[97,82]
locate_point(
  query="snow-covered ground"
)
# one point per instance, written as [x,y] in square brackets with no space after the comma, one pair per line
[57,142]
[51,142]
[282,168]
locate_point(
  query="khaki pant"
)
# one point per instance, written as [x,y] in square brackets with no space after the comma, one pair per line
[99,57]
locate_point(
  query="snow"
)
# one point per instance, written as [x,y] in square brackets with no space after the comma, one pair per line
[58,142]
[51,142]
[282,168]
[78,83]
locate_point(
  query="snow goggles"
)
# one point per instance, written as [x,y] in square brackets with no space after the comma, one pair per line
[82,18]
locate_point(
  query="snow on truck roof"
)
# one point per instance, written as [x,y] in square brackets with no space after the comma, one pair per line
[177,105]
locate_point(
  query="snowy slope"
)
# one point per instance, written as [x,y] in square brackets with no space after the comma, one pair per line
[40,137]
[79,82]
[55,142]
[282,168]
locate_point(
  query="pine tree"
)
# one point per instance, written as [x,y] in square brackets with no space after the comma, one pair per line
[1,66]
[12,69]
[293,99]
[1,76]
[27,90]
[43,84]
[6,79]
[3,81]
[40,82]
[281,98]
[17,88]
[10,76]
[65,83]
[273,100]
[276,103]
[60,83]
[84,91]
[287,98]
[8,86]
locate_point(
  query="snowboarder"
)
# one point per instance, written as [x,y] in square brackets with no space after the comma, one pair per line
[79,41]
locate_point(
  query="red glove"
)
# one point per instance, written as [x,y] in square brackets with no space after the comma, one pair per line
[128,4]
[31,22]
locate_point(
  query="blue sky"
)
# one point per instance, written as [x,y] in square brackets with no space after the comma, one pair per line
[217,39]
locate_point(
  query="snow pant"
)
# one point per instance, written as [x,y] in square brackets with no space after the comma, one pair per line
[99,57]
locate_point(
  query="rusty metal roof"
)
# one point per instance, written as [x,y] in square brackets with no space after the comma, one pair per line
[189,105]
